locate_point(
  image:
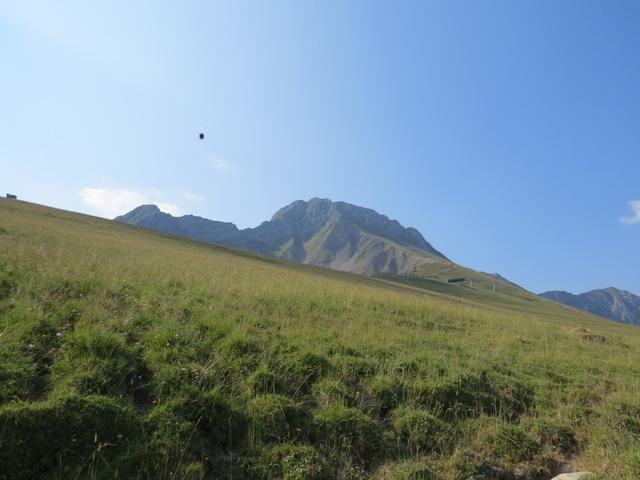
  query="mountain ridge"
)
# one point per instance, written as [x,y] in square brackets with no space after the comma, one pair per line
[319,231]
[612,303]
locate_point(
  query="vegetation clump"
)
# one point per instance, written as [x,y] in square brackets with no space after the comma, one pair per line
[287,462]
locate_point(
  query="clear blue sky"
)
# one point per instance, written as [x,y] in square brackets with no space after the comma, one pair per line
[507,132]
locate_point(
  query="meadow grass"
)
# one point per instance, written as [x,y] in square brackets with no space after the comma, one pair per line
[131,354]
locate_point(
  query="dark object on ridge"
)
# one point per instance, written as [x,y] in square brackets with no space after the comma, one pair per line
[456,280]
[201,136]
[12,196]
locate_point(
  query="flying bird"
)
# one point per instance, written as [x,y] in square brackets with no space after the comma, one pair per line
[201,136]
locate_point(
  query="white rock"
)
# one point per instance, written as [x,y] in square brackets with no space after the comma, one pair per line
[573,476]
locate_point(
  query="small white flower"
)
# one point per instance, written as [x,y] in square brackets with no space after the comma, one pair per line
[59,334]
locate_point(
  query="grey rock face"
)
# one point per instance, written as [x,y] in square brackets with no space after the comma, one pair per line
[612,303]
[320,232]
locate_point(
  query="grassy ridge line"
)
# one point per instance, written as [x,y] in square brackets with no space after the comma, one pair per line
[436,288]
[223,361]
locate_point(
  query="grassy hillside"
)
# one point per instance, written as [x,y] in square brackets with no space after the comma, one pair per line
[131,354]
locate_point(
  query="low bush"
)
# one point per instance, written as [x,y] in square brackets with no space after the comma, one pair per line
[387,393]
[82,434]
[420,431]
[554,433]
[474,394]
[96,361]
[276,418]
[503,442]
[263,381]
[328,392]
[348,430]
[287,462]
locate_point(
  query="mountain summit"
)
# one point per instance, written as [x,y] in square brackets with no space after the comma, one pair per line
[337,235]
[612,303]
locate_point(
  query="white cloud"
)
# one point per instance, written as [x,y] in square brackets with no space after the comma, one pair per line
[221,165]
[635,208]
[193,197]
[110,203]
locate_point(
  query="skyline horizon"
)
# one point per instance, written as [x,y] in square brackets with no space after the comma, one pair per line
[506,133]
[390,217]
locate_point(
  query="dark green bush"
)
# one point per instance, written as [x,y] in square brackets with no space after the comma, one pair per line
[7,285]
[348,430]
[387,393]
[96,361]
[263,381]
[287,462]
[209,413]
[419,430]
[471,395]
[19,378]
[329,392]
[304,368]
[417,470]
[626,417]
[80,433]
[505,442]
[276,418]
[353,369]
[554,433]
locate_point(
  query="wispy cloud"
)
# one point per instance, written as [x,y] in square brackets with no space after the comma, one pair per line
[635,208]
[222,165]
[193,197]
[110,203]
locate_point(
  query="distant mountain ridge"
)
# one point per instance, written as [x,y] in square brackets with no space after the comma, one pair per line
[321,232]
[612,303]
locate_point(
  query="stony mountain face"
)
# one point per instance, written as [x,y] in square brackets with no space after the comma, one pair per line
[337,235]
[612,303]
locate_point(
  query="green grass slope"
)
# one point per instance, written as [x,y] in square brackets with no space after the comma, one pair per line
[131,354]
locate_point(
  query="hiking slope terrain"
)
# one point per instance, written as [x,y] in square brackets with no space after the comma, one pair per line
[129,353]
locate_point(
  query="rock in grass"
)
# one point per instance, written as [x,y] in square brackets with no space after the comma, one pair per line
[573,476]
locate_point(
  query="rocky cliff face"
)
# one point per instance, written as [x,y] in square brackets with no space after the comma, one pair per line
[320,232]
[612,303]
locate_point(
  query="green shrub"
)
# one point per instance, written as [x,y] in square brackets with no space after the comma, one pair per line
[81,433]
[263,381]
[19,378]
[504,442]
[40,339]
[554,433]
[304,368]
[348,430]
[241,354]
[419,430]
[471,395]
[626,417]
[7,285]
[387,392]
[96,361]
[209,413]
[353,369]
[328,392]
[287,462]
[276,418]
[240,346]
[416,470]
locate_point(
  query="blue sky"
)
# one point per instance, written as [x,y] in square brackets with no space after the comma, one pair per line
[507,132]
